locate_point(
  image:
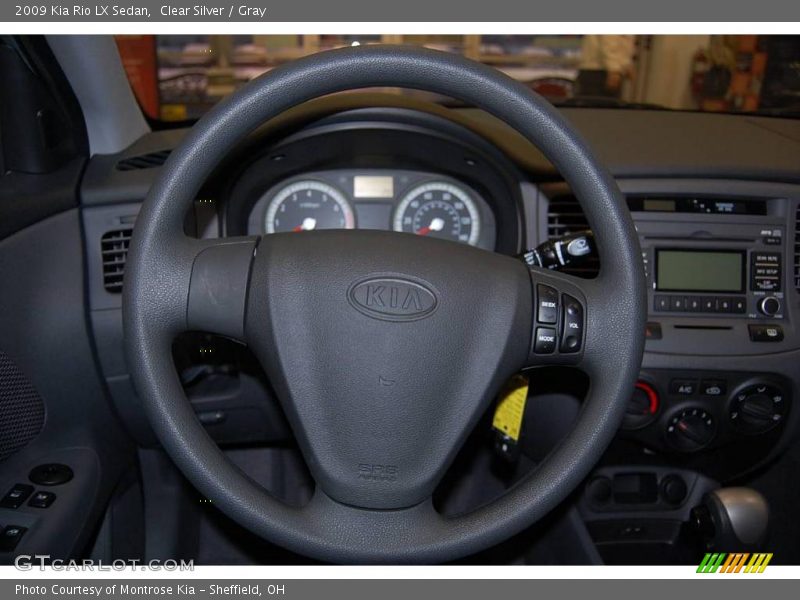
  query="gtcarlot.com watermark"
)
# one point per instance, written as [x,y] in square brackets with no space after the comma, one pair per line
[28,562]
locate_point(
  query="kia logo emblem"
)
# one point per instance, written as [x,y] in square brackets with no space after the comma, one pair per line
[393,298]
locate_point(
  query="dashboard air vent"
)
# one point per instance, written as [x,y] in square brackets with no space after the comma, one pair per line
[114,248]
[144,161]
[797,248]
[564,215]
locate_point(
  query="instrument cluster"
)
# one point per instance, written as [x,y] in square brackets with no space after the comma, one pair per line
[413,202]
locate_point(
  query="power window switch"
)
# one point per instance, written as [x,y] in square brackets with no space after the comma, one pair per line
[16,496]
[10,537]
[42,499]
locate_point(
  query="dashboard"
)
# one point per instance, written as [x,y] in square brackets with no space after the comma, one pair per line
[715,200]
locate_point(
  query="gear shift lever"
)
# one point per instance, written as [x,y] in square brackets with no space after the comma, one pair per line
[732,519]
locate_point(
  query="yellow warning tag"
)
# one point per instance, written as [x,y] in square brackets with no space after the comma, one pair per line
[511,407]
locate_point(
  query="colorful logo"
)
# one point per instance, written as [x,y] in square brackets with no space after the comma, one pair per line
[736,562]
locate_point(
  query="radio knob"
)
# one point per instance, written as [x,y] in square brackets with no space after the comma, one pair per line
[769,306]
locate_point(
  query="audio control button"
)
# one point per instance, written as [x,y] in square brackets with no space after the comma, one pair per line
[548,304]
[677,304]
[769,306]
[572,324]
[765,333]
[661,303]
[724,305]
[709,304]
[545,340]
[694,303]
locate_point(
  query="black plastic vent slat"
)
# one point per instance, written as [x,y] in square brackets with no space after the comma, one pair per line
[564,215]
[114,250]
[797,248]
[144,161]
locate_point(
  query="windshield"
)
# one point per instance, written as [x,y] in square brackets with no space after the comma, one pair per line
[177,78]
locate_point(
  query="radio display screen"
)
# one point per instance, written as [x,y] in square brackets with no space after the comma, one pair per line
[700,271]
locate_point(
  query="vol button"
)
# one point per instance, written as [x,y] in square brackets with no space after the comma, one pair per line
[572,327]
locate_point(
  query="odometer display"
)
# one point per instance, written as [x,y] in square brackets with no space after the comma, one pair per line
[306,206]
[439,209]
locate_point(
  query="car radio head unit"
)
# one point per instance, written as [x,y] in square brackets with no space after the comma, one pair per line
[700,270]
[714,268]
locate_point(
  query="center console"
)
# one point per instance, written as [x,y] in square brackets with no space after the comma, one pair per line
[720,374]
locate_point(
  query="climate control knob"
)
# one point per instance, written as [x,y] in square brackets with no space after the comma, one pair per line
[690,429]
[757,408]
[769,306]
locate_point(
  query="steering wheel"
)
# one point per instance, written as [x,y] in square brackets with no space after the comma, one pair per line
[384,349]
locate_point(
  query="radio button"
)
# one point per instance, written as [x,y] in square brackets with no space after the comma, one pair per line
[769,306]
[545,340]
[661,303]
[548,304]
[740,305]
[765,333]
[677,304]
[709,304]
[572,326]
[694,304]
[765,271]
[724,305]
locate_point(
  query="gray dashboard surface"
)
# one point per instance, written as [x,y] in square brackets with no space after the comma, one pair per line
[638,143]
[631,143]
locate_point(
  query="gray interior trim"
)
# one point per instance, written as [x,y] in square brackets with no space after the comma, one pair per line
[94,69]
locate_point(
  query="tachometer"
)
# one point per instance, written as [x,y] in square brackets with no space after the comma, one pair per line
[308,205]
[439,209]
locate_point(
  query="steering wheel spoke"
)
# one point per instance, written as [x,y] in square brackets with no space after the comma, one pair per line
[218,286]
[562,311]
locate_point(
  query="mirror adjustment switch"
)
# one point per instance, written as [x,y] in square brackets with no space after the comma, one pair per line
[547,311]
[572,326]
[10,537]
[51,474]
[16,496]
[42,499]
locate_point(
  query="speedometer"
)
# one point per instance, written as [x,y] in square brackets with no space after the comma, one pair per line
[308,205]
[439,209]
